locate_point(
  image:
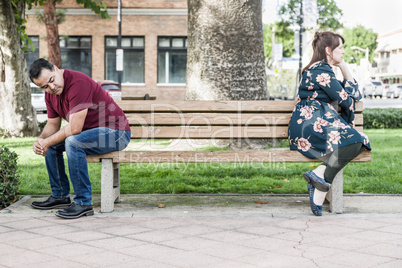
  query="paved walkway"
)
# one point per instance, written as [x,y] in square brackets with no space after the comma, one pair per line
[207,231]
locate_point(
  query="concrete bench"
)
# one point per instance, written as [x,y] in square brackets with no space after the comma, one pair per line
[212,120]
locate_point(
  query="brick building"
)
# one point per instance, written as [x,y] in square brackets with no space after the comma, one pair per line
[154,39]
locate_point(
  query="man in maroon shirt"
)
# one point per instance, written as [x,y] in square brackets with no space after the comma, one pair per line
[96,125]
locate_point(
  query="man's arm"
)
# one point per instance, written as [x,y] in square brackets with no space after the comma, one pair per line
[51,127]
[76,123]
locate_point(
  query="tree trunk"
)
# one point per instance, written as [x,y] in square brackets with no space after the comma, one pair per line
[17,116]
[52,32]
[225,57]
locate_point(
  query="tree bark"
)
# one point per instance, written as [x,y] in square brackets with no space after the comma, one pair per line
[225,56]
[52,32]
[17,116]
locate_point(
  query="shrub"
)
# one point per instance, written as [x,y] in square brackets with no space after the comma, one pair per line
[9,177]
[4,133]
[382,118]
[42,125]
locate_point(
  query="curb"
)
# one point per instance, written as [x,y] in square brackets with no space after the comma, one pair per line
[16,204]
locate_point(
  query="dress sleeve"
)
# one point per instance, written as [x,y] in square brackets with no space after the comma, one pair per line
[343,93]
[352,88]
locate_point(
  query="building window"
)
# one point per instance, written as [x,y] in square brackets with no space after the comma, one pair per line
[76,53]
[172,60]
[30,56]
[133,59]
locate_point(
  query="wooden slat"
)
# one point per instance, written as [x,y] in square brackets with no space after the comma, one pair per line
[207,106]
[359,119]
[213,119]
[211,132]
[264,156]
[138,97]
[208,132]
[208,119]
[213,106]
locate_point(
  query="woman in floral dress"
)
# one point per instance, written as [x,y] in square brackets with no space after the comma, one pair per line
[316,129]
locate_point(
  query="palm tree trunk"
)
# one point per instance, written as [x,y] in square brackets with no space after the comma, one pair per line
[17,116]
[225,57]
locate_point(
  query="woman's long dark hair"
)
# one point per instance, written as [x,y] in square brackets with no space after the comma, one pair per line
[320,42]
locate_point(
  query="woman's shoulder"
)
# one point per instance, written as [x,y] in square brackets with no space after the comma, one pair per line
[320,67]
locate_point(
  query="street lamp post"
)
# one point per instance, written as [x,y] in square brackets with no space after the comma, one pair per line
[300,42]
[119,51]
[363,50]
[364,71]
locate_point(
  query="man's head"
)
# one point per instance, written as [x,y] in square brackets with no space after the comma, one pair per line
[47,76]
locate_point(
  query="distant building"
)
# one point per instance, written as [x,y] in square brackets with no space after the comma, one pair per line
[154,39]
[389,58]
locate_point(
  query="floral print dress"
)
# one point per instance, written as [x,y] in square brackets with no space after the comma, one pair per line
[316,128]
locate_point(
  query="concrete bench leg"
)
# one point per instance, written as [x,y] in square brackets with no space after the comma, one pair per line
[116,182]
[335,195]
[110,185]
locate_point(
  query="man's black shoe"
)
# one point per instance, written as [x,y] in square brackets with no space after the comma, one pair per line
[75,211]
[52,202]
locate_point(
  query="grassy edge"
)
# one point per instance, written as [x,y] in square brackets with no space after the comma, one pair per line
[381,176]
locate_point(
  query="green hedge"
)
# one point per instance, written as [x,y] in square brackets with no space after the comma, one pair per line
[382,118]
[9,177]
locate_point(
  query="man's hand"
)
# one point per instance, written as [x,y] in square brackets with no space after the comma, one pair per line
[38,147]
[41,146]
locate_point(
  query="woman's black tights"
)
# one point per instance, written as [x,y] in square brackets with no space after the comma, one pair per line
[339,158]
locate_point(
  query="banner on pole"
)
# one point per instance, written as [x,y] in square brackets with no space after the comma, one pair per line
[278,51]
[119,59]
[310,14]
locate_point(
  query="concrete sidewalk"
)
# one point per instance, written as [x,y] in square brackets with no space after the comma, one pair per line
[207,231]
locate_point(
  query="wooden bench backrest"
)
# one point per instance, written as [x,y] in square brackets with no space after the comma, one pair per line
[212,119]
[138,97]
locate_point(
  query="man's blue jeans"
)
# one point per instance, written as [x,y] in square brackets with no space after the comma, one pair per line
[93,141]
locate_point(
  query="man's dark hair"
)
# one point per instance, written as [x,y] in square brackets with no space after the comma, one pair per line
[37,66]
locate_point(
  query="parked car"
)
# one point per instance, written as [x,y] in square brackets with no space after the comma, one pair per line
[283,92]
[38,98]
[373,89]
[395,91]
[386,90]
[279,92]
[112,88]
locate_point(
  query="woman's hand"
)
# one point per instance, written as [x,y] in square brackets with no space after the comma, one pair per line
[345,70]
[341,64]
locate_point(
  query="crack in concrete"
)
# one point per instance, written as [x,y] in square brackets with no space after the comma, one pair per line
[300,243]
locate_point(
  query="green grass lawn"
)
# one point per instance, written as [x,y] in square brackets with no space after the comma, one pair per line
[382,175]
